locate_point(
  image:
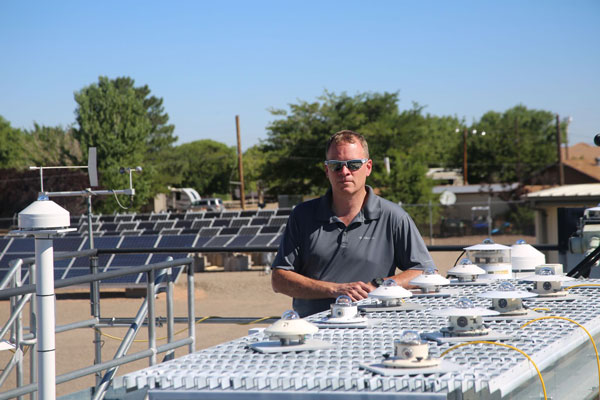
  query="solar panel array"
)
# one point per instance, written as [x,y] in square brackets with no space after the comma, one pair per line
[226,230]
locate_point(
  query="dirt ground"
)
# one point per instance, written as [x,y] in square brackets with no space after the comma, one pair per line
[231,294]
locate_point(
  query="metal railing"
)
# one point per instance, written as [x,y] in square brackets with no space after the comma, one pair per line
[158,281]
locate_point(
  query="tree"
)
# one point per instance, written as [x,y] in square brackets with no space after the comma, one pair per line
[11,146]
[207,166]
[126,126]
[52,146]
[516,143]
[295,148]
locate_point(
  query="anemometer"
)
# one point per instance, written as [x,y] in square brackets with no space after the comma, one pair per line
[89,192]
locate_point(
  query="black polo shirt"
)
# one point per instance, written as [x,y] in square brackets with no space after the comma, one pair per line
[316,244]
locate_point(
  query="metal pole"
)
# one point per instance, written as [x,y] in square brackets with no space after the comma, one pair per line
[170,322]
[32,330]
[489,216]
[430,223]
[45,330]
[465,180]
[191,310]
[240,165]
[89,215]
[561,171]
[95,304]
[19,329]
[151,317]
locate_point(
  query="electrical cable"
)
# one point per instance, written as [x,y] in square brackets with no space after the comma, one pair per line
[583,285]
[461,254]
[118,202]
[579,325]
[503,345]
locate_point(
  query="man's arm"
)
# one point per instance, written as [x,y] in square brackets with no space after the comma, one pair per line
[404,277]
[301,287]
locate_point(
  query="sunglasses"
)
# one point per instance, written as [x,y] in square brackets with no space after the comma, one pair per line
[352,165]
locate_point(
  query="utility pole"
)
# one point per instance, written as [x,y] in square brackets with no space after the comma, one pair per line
[465,181]
[240,165]
[561,171]
[518,174]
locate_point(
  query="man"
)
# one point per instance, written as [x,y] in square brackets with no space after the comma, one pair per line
[347,241]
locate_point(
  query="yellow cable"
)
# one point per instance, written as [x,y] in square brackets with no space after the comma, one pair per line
[540,309]
[582,285]
[503,345]
[579,325]
[256,321]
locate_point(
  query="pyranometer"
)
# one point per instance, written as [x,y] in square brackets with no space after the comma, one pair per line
[411,352]
[466,271]
[344,313]
[547,283]
[493,258]
[465,319]
[507,300]
[290,328]
[430,281]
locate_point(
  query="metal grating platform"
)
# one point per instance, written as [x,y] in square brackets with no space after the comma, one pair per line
[560,349]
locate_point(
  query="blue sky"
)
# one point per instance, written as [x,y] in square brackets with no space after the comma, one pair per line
[212,60]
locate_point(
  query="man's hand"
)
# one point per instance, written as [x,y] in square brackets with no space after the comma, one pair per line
[355,290]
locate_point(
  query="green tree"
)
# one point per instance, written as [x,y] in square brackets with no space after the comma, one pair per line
[114,116]
[52,146]
[12,153]
[516,144]
[207,166]
[295,148]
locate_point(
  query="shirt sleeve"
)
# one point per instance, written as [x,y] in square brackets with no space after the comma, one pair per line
[288,254]
[411,251]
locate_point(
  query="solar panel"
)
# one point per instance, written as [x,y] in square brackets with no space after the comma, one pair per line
[124,218]
[230,214]
[22,245]
[107,218]
[239,241]
[3,243]
[164,225]
[173,231]
[150,232]
[189,231]
[259,221]
[138,242]
[11,256]
[160,257]
[194,215]
[278,221]
[142,217]
[109,226]
[159,217]
[176,215]
[276,241]
[229,231]
[104,242]
[260,240]
[212,214]
[176,241]
[146,225]
[202,240]
[221,222]
[128,260]
[126,225]
[111,233]
[249,231]
[269,229]
[236,222]
[95,226]
[202,223]
[218,241]
[265,213]
[67,243]
[248,213]
[184,223]
[132,232]
[84,262]
[283,212]
[204,232]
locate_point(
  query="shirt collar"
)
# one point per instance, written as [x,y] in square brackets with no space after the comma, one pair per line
[371,209]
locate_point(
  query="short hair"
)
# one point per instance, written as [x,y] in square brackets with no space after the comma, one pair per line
[347,136]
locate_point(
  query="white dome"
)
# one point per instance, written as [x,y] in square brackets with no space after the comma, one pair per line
[525,257]
[44,214]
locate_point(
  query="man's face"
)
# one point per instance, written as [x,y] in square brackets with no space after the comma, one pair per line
[345,181]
